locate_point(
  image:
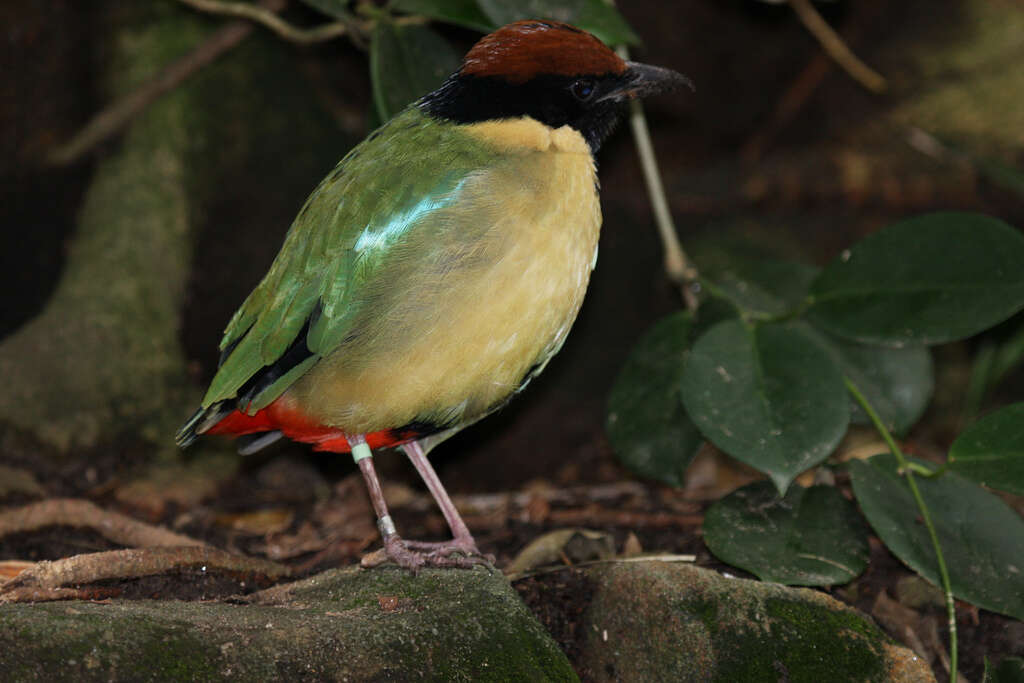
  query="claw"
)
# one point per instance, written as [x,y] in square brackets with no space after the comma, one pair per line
[414,555]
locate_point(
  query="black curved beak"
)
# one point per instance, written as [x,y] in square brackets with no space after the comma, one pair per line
[641,80]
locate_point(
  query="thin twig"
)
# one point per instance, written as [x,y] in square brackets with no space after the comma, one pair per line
[268,18]
[482,503]
[598,516]
[680,270]
[947,588]
[788,106]
[133,563]
[113,118]
[670,558]
[836,48]
[71,512]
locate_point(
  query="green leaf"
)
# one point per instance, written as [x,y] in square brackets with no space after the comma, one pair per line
[460,12]
[897,382]
[595,16]
[991,451]
[993,361]
[1010,670]
[1003,175]
[1009,355]
[763,286]
[812,537]
[335,8]
[407,62]
[927,280]
[605,22]
[768,395]
[646,423]
[980,536]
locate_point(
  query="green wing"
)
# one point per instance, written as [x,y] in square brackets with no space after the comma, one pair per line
[307,303]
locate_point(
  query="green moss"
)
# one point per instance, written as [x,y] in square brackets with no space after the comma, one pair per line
[83,644]
[123,287]
[966,80]
[707,612]
[442,625]
[659,621]
[805,642]
[488,648]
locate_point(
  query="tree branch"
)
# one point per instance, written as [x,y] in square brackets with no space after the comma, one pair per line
[268,18]
[836,48]
[113,118]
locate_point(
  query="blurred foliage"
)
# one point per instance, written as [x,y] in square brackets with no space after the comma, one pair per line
[408,60]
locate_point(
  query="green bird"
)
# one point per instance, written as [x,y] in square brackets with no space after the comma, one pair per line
[436,270]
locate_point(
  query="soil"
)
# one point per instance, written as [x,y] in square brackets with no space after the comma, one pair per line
[558,597]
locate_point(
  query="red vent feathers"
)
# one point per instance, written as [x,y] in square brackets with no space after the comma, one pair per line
[525,49]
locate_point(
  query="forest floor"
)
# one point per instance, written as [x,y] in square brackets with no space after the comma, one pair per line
[307,513]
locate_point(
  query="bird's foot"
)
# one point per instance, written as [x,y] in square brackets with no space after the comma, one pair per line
[413,555]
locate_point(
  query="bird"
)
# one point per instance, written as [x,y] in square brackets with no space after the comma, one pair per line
[436,269]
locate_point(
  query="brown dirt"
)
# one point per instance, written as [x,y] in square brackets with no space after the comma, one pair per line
[558,598]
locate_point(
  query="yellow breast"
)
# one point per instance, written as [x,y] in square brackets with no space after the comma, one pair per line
[468,337]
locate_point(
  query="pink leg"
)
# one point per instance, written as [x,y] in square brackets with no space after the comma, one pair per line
[396,549]
[462,539]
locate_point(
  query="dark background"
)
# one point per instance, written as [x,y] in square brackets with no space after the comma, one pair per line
[777,148]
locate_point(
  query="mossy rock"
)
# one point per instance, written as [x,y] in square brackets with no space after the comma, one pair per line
[346,624]
[668,621]
[957,76]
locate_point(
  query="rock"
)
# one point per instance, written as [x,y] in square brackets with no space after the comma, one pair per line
[657,621]
[346,624]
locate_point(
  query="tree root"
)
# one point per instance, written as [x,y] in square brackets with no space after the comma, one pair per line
[113,526]
[47,580]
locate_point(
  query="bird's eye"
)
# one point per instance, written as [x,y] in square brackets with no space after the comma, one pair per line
[582,90]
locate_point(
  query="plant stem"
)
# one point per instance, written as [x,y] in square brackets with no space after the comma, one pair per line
[678,267]
[907,471]
[836,48]
[272,21]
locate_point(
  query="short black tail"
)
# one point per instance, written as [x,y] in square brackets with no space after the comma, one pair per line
[201,420]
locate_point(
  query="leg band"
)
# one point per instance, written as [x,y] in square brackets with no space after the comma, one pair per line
[386,526]
[361,451]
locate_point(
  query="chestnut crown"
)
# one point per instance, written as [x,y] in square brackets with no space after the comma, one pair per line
[552,72]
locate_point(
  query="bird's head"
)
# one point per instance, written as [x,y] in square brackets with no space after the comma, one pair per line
[552,72]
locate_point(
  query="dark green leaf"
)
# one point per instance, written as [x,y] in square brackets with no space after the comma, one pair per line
[1009,355]
[927,280]
[594,16]
[503,12]
[993,361]
[1003,175]
[605,22]
[991,451]
[897,382]
[339,9]
[647,426]
[812,537]
[407,62]
[769,396]
[460,12]
[1010,670]
[711,312]
[763,286]
[980,536]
